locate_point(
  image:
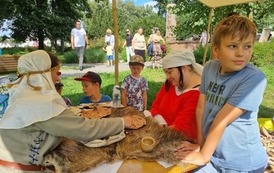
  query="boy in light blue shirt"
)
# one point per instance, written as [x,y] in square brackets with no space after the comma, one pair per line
[231,92]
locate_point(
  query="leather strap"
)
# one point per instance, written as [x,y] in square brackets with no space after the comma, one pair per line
[20,166]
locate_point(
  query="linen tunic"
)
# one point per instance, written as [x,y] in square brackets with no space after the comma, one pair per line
[28,145]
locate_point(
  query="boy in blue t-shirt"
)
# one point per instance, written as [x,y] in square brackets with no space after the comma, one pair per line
[231,92]
[91,83]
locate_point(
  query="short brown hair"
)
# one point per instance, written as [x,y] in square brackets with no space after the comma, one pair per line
[233,26]
[54,60]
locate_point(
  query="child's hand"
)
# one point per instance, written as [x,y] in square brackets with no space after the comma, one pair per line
[192,157]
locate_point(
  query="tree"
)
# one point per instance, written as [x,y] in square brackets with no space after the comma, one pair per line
[6,9]
[193,15]
[37,19]
[129,16]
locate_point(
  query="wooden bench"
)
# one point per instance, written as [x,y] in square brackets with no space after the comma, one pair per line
[8,63]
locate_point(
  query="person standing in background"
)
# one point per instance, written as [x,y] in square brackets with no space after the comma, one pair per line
[157,40]
[150,41]
[128,44]
[79,39]
[204,39]
[109,51]
[109,37]
[139,44]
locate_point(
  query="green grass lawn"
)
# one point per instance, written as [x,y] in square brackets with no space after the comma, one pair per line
[73,89]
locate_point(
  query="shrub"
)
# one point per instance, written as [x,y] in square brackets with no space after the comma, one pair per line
[263,54]
[15,50]
[69,57]
[91,55]
[97,43]
[94,55]
[199,54]
[122,55]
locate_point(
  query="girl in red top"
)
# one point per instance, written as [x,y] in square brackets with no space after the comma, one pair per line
[175,103]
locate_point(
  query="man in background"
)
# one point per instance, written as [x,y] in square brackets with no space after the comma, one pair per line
[79,39]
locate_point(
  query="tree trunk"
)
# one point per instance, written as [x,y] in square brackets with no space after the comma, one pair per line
[62,46]
[55,45]
[41,39]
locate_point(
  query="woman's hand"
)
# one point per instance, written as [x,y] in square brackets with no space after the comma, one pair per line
[134,122]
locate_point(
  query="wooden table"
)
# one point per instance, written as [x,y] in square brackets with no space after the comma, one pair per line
[137,166]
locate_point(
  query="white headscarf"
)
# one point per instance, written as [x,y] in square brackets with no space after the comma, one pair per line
[181,58]
[27,104]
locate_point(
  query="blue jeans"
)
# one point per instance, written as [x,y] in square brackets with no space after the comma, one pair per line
[150,49]
[211,168]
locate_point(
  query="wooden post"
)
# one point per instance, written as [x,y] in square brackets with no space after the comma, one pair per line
[115,22]
[207,34]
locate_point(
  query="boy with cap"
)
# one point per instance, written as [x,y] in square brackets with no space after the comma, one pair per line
[134,86]
[91,83]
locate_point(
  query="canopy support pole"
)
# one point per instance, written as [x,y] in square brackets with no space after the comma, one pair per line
[115,22]
[207,34]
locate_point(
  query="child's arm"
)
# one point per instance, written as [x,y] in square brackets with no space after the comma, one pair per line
[224,117]
[124,97]
[199,118]
[144,94]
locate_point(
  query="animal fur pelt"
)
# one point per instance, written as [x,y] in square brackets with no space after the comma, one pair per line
[72,156]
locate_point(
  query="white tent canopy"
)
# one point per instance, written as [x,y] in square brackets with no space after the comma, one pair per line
[219,3]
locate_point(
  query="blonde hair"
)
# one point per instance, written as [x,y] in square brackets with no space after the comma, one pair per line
[234,26]
[109,31]
[158,32]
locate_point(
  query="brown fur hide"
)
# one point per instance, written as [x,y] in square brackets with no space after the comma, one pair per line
[73,156]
